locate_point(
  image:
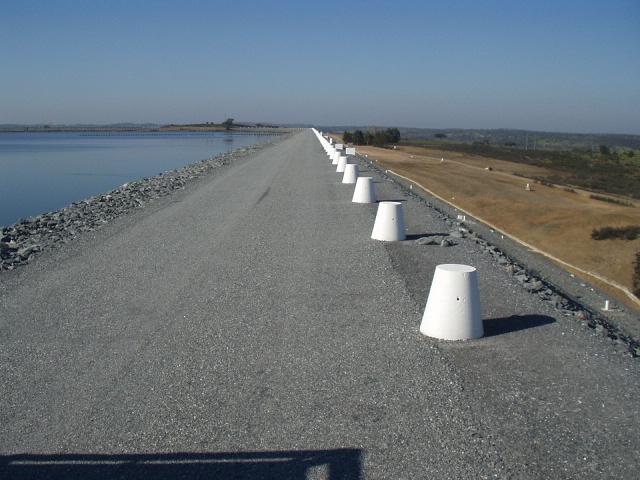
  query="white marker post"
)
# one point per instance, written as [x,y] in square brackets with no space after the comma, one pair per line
[342,163]
[453,306]
[350,173]
[365,191]
[389,223]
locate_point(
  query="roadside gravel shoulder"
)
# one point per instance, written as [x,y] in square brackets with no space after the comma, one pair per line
[555,395]
[569,295]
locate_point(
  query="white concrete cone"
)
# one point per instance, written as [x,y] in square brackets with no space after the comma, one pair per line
[334,158]
[365,191]
[389,224]
[350,173]
[453,306]
[342,163]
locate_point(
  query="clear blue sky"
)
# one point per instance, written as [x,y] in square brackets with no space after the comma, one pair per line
[544,65]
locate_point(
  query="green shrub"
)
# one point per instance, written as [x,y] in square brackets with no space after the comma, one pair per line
[636,276]
[611,200]
[630,232]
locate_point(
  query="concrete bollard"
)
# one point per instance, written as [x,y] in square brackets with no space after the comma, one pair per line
[351,151]
[334,158]
[365,191]
[453,306]
[389,224]
[342,163]
[350,173]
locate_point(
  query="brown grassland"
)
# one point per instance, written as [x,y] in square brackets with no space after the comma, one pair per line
[551,219]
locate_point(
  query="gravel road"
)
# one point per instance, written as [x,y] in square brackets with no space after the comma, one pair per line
[247,327]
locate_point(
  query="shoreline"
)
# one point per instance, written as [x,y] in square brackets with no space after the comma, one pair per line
[22,241]
[143,130]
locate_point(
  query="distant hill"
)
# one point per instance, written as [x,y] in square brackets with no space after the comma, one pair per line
[517,138]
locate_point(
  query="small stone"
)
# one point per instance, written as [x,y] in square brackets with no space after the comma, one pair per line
[447,243]
[455,234]
[536,285]
[521,277]
[428,241]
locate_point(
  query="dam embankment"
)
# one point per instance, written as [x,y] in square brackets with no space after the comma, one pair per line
[250,326]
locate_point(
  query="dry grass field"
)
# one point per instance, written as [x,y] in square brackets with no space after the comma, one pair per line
[551,219]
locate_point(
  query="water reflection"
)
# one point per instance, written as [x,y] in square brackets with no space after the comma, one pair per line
[46,171]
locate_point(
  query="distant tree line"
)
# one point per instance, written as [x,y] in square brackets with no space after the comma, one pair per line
[636,276]
[611,200]
[378,138]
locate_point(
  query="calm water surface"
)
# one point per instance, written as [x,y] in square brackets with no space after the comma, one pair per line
[41,172]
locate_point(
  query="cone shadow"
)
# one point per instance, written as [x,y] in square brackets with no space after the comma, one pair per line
[416,236]
[514,323]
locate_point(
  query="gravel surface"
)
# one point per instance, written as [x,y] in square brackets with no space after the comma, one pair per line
[249,327]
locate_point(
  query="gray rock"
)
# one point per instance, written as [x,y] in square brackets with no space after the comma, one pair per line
[521,277]
[582,315]
[435,240]
[535,286]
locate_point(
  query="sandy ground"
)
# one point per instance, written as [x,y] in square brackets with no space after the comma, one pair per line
[551,219]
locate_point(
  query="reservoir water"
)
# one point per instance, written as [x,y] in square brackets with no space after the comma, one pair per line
[41,172]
